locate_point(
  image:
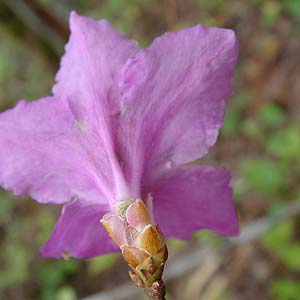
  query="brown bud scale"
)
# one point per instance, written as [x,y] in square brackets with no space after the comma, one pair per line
[142,244]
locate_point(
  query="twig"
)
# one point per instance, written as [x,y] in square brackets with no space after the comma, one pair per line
[157,291]
[185,263]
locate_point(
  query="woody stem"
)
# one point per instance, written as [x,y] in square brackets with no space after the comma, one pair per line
[157,291]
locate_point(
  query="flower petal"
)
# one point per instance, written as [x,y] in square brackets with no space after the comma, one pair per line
[193,198]
[88,78]
[44,152]
[88,74]
[175,93]
[78,233]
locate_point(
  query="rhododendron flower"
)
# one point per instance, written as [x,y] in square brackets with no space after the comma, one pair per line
[124,123]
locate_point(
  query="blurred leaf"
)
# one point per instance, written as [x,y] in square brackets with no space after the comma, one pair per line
[102,263]
[284,289]
[213,5]
[207,237]
[270,12]
[52,274]
[285,143]
[21,67]
[65,293]
[241,100]
[125,21]
[292,7]
[251,128]
[175,244]
[233,116]
[231,124]
[6,206]
[271,115]
[264,175]
[46,222]
[292,257]
[16,259]
[280,240]
[168,296]
[279,237]
[225,295]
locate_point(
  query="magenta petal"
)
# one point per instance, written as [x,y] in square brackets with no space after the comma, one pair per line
[193,198]
[94,56]
[88,77]
[175,93]
[79,233]
[45,153]
[124,119]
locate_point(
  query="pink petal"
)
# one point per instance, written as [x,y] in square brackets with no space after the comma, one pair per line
[78,233]
[88,77]
[45,152]
[193,198]
[94,56]
[175,94]
[57,157]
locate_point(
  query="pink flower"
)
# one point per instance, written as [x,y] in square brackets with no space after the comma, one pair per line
[124,122]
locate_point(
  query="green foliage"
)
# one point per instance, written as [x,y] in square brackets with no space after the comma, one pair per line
[6,207]
[270,12]
[15,258]
[285,144]
[264,175]
[280,240]
[233,117]
[15,253]
[251,129]
[21,67]
[213,5]
[285,289]
[124,22]
[292,7]
[66,293]
[271,115]
[175,244]
[52,275]
[279,237]
[271,9]
[207,237]
[231,124]
[102,263]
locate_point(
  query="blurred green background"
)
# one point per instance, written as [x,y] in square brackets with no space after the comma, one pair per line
[259,143]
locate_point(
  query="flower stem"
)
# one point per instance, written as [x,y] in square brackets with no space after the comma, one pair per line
[157,291]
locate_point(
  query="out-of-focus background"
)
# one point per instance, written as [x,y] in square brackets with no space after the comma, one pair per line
[259,143]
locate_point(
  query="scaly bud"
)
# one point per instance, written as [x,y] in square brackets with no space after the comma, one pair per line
[141,242]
